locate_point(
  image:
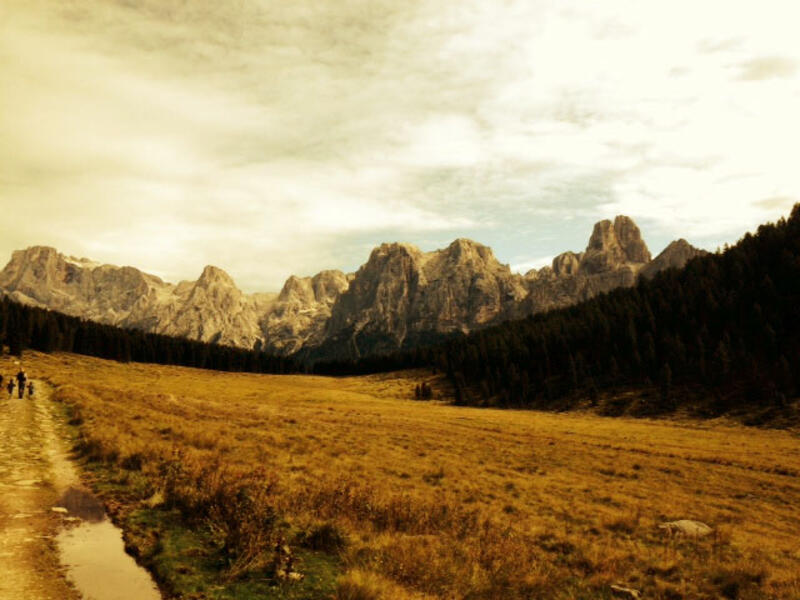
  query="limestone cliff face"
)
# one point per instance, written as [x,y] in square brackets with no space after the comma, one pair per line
[43,277]
[378,300]
[401,297]
[212,309]
[298,317]
[613,245]
[565,264]
[466,287]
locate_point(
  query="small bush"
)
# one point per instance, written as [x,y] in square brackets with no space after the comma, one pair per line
[235,506]
[90,449]
[132,462]
[325,538]
[733,583]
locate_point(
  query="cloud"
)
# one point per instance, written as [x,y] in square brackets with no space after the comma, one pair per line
[273,138]
[783,203]
[767,67]
[711,46]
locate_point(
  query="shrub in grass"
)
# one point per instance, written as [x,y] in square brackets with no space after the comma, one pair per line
[326,538]
[236,507]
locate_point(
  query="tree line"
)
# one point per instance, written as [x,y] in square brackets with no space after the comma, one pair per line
[726,327]
[24,327]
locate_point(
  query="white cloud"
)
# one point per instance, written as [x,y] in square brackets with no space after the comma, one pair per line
[272,138]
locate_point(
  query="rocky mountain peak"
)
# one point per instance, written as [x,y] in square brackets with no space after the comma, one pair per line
[296,289]
[40,270]
[464,249]
[403,296]
[329,285]
[302,310]
[566,264]
[675,255]
[389,261]
[612,245]
[212,275]
[36,258]
[603,237]
[678,245]
[38,254]
[630,240]
[392,251]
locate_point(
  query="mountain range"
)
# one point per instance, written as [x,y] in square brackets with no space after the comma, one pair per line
[401,297]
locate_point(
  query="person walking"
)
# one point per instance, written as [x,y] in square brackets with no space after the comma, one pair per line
[21,379]
[30,389]
[10,387]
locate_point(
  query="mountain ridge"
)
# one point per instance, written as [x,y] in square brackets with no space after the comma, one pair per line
[400,297]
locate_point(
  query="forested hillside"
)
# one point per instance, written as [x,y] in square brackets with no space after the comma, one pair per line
[728,323]
[726,328]
[26,327]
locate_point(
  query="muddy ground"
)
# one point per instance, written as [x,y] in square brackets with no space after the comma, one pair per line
[31,476]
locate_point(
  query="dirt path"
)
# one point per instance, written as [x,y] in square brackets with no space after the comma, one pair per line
[32,472]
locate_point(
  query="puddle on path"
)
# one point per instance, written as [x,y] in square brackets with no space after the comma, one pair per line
[80,503]
[94,554]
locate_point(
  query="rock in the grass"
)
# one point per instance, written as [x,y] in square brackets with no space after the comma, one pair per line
[625,592]
[694,529]
[290,576]
[59,509]
[157,499]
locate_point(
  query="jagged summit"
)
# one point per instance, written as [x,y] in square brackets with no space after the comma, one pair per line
[567,263]
[464,249]
[612,245]
[296,288]
[630,239]
[675,255]
[212,275]
[400,297]
[303,307]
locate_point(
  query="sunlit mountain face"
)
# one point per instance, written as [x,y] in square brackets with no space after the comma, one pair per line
[400,298]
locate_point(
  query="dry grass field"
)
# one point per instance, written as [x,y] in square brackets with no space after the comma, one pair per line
[426,500]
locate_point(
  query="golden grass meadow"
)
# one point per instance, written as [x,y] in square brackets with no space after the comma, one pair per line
[393,498]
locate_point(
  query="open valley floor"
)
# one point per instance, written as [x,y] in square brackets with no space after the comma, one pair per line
[241,486]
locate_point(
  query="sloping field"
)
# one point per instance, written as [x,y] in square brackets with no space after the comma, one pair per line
[423,499]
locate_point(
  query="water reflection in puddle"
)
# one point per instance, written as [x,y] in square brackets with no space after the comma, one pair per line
[82,504]
[95,557]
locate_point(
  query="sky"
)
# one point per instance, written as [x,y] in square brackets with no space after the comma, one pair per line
[272,138]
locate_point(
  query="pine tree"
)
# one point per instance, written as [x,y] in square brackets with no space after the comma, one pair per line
[665,386]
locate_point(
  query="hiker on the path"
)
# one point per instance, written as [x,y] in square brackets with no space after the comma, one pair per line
[21,378]
[30,389]
[10,387]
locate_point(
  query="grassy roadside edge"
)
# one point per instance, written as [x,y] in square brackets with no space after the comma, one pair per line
[183,558]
